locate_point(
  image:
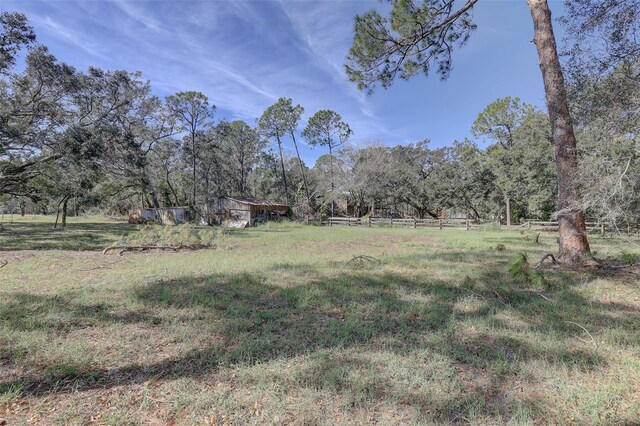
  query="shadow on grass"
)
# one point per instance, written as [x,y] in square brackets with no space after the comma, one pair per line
[29,312]
[255,231]
[76,236]
[256,322]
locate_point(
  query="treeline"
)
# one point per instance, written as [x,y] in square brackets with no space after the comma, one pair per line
[72,141]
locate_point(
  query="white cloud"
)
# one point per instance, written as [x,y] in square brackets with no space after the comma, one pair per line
[244,55]
[69,36]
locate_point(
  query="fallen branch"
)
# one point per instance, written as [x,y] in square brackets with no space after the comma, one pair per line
[124,249]
[586,331]
[545,257]
[361,259]
[140,248]
[499,298]
[4,263]
[98,267]
[537,293]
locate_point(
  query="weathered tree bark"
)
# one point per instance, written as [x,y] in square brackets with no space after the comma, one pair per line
[571,218]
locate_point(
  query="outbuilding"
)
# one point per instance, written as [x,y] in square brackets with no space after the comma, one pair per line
[241,212]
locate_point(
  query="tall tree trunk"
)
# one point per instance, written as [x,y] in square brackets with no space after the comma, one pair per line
[304,178]
[242,179]
[193,162]
[573,232]
[55,225]
[173,191]
[207,202]
[154,199]
[64,212]
[331,177]
[284,175]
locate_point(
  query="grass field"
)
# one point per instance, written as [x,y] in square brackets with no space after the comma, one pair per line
[276,326]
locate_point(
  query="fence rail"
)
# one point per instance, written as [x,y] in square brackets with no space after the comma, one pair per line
[592,227]
[407,223]
[539,225]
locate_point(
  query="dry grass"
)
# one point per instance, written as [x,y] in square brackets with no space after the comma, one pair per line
[275,329]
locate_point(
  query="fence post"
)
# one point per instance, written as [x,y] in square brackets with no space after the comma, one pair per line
[440,223]
[330,221]
[414,223]
[392,222]
[467,224]
[369,220]
[602,229]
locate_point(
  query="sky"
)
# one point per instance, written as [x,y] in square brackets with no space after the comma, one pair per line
[244,55]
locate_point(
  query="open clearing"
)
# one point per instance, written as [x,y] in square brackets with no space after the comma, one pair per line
[275,327]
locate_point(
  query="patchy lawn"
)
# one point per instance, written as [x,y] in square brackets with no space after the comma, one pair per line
[32,232]
[278,327]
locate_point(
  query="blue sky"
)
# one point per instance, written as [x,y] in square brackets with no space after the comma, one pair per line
[244,55]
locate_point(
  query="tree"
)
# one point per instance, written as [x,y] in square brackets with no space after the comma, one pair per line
[143,122]
[330,174]
[422,177]
[31,114]
[273,125]
[263,179]
[608,124]
[193,115]
[498,122]
[326,128]
[571,218]
[603,48]
[416,36]
[473,187]
[610,174]
[15,33]
[281,118]
[77,171]
[601,36]
[500,119]
[164,161]
[370,178]
[242,146]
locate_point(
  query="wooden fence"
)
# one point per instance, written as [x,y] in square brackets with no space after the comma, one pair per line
[467,224]
[406,223]
[551,226]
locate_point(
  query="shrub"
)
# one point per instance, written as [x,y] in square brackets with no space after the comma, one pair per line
[180,235]
[629,258]
[521,271]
